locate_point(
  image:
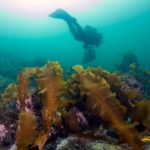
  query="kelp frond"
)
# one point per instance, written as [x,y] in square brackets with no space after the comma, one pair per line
[108,107]
[51,84]
[26,132]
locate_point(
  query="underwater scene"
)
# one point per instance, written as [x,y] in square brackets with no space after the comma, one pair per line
[74,75]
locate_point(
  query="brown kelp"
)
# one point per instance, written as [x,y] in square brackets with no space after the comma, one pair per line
[102,99]
[48,107]
[49,79]
[26,132]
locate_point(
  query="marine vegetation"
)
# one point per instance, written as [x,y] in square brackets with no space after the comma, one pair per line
[91,104]
[128,59]
[135,77]
[10,67]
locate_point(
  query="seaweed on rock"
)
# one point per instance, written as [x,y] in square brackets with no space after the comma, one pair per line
[50,84]
[102,101]
[24,80]
[141,113]
[52,107]
[26,132]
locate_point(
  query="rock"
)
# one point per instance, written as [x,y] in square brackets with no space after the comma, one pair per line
[77,143]
[101,145]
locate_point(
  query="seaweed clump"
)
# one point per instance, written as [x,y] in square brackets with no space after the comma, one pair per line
[91,104]
[128,59]
[102,101]
[135,77]
[26,131]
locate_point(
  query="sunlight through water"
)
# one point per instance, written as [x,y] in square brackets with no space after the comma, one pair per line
[39,8]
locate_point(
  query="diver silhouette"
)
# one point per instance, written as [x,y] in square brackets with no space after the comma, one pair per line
[88,35]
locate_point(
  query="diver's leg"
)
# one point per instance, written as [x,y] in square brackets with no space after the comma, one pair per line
[73,30]
[78,27]
[62,14]
[77,31]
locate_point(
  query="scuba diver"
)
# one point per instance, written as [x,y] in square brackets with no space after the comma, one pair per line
[88,35]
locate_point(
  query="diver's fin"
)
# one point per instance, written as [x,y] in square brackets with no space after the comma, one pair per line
[88,56]
[62,14]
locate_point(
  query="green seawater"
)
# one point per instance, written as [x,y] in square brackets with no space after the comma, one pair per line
[124,24]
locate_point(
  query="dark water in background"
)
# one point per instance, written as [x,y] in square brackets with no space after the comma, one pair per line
[124,24]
